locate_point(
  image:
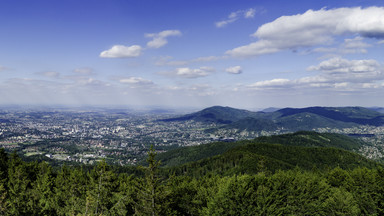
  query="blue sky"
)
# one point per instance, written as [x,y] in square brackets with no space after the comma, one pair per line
[246,54]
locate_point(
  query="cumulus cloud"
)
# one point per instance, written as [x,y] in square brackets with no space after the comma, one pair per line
[354,45]
[186,72]
[338,69]
[334,73]
[121,51]
[232,17]
[234,70]
[313,28]
[160,39]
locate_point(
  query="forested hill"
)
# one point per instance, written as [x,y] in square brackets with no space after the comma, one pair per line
[303,150]
[216,114]
[260,157]
[320,149]
[288,118]
[314,139]
[180,156]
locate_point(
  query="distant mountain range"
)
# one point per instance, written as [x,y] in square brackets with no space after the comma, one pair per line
[289,119]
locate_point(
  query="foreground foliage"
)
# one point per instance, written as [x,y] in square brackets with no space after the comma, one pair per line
[31,188]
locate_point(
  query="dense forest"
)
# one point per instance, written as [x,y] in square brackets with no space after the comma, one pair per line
[37,188]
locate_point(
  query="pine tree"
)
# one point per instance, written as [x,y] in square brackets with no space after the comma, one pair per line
[122,199]
[150,191]
[19,200]
[70,191]
[42,190]
[3,166]
[101,187]
[3,204]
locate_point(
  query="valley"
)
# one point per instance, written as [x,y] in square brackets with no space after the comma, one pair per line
[122,136]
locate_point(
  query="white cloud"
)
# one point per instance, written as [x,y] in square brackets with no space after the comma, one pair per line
[186,72]
[381,42]
[234,70]
[336,74]
[232,17]
[223,23]
[254,49]
[274,83]
[340,65]
[357,71]
[160,39]
[135,81]
[121,51]
[313,28]
[250,13]
[354,45]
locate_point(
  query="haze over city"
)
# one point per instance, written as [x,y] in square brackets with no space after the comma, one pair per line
[174,53]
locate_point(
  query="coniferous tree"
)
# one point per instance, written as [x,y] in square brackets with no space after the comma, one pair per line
[101,187]
[3,166]
[70,191]
[19,184]
[3,196]
[123,198]
[341,202]
[42,191]
[149,190]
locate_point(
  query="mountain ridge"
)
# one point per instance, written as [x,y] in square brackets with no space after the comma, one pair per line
[291,119]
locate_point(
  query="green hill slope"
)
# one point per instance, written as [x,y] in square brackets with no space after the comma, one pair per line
[183,155]
[314,139]
[256,157]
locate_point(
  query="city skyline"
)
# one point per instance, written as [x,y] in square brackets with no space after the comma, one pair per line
[244,54]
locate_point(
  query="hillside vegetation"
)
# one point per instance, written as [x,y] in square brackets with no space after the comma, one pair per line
[303,138]
[31,188]
[259,157]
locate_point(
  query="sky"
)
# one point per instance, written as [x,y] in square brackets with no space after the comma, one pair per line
[182,53]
